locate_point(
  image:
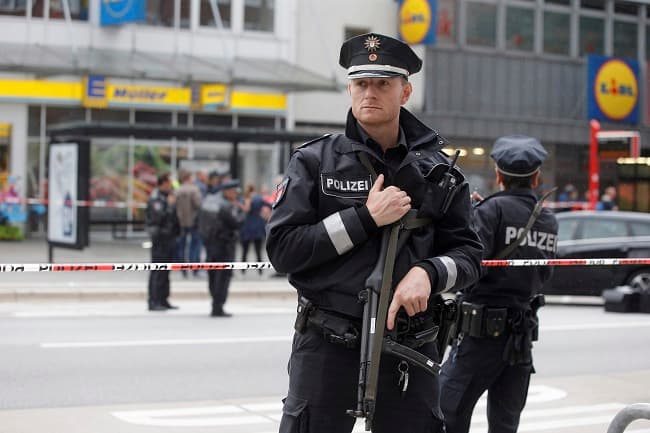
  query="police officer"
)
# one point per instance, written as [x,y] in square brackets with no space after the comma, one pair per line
[325,233]
[498,320]
[163,227]
[220,247]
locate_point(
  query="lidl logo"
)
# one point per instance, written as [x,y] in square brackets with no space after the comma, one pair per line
[417,21]
[614,89]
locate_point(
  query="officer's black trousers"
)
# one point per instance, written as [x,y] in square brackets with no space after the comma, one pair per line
[158,288]
[219,280]
[477,365]
[323,384]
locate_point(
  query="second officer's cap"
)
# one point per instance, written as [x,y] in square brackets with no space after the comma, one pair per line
[374,56]
[518,155]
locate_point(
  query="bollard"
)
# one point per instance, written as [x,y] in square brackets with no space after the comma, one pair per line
[628,414]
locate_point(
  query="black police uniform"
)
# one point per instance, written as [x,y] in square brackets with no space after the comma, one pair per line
[323,236]
[162,224]
[493,352]
[221,248]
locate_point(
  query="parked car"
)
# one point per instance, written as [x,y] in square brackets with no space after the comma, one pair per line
[600,234]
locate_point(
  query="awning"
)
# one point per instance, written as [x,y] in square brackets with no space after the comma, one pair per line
[165,132]
[57,60]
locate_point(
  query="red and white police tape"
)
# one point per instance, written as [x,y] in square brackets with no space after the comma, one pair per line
[78,203]
[131,267]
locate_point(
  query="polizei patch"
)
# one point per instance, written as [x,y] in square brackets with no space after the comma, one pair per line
[339,185]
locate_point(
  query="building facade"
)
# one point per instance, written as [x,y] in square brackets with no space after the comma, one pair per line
[497,67]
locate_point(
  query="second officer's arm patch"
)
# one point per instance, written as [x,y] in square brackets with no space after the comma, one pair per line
[280,191]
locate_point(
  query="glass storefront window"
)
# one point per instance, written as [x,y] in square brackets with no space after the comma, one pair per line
[212,120]
[558,2]
[592,36]
[556,33]
[520,25]
[18,8]
[185,14]
[34,121]
[259,15]
[207,15]
[153,117]
[481,24]
[78,9]
[56,115]
[446,24]
[256,122]
[625,38]
[160,13]
[110,115]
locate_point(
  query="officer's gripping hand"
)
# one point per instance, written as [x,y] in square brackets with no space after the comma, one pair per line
[387,205]
[412,293]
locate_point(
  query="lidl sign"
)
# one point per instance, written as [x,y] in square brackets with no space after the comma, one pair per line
[417,21]
[613,89]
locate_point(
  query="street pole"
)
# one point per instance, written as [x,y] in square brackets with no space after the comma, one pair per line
[594,166]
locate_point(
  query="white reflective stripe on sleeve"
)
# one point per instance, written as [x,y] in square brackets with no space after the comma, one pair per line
[452,271]
[337,233]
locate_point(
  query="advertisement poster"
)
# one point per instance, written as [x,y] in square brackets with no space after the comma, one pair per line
[62,189]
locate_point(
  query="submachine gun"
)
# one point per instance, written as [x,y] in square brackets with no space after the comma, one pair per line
[376,297]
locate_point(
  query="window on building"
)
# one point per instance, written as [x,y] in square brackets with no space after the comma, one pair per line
[592,36]
[209,17]
[78,9]
[481,24]
[558,2]
[109,115]
[351,32]
[34,121]
[625,39]
[557,33]
[520,25]
[19,8]
[219,120]
[256,122]
[185,14]
[626,8]
[259,15]
[593,4]
[160,13]
[446,22]
[181,119]
[56,115]
[153,117]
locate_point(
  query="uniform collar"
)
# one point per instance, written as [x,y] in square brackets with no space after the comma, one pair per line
[365,139]
[415,132]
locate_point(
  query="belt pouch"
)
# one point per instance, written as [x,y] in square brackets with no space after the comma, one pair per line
[495,321]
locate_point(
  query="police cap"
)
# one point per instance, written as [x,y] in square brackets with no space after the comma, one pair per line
[233,183]
[518,155]
[374,55]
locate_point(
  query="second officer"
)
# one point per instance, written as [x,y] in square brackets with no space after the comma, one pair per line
[498,314]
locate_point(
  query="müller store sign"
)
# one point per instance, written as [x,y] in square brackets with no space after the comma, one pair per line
[613,89]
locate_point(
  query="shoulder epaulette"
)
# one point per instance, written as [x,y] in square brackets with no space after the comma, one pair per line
[314,140]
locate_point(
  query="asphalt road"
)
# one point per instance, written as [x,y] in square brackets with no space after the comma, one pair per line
[81,367]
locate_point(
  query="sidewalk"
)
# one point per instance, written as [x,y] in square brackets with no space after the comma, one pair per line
[113,285]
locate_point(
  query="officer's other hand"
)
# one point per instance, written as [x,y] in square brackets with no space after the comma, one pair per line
[412,293]
[387,205]
[476,196]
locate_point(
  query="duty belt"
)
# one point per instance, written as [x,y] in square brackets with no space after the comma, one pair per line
[338,329]
[478,320]
[334,328]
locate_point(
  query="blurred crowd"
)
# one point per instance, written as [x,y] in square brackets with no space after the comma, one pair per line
[200,217]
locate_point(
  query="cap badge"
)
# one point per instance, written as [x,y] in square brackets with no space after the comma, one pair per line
[372,43]
[372,57]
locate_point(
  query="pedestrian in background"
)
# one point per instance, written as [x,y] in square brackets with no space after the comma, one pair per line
[498,319]
[188,202]
[220,219]
[201,180]
[162,226]
[253,229]
[608,199]
[340,193]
